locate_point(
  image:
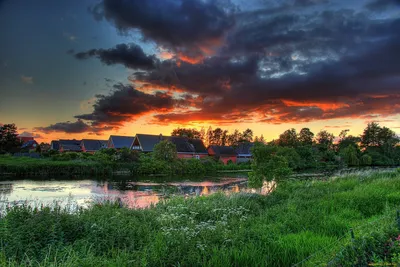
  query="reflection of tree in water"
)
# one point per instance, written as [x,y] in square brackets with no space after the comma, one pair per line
[140,194]
[6,189]
[122,185]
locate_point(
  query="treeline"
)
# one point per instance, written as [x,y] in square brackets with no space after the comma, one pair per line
[218,136]
[108,161]
[377,146]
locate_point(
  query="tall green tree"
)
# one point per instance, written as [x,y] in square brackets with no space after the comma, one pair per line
[387,137]
[370,136]
[306,137]
[267,165]
[234,138]
[325,139]
[288,138]
[291,156]
[8,138]
[260,139]
[209,136]
[217,135]
[186,132]
[224,138]
[350,156]
[247,135]
[165,151]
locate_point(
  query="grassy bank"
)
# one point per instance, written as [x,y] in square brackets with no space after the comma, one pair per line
[22,166]
[83,164]
[300,219]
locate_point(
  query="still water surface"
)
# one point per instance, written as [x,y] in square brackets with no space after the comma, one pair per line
[135,193]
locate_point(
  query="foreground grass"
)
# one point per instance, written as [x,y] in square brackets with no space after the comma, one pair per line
[298,220]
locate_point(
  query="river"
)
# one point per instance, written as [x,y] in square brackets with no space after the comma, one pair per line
[134,192]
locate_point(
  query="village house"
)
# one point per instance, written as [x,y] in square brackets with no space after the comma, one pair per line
[29,145]
[223,153]
[118,142]
[55,145]
[243,151]
[185,147]
[91,146]
[70,145]
[25,139]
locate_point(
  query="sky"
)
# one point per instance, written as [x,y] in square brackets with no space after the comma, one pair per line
[92,68]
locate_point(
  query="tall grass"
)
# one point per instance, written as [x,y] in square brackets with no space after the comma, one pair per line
[298,220]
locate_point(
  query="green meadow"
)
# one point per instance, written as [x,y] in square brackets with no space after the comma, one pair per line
[302,222]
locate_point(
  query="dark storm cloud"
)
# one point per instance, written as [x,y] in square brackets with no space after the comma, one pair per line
[311,33]
[29,134]
[180,25]
[381,5]
[212,77]
[125,104]
[351,83]
[309,2]
[131,56]
[67,127]
[297,62]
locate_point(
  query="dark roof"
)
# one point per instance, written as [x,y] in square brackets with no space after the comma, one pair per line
[70,145]
[122,141]
[30,143]
[70,142]
[183,144]
[93,145]
[148,141]
[187,145]
[104,143]
[223,150]
[55,145]
[244,148]
[75,148]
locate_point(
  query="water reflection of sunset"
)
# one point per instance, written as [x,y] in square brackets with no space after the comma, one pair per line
[205,191]
[133,194]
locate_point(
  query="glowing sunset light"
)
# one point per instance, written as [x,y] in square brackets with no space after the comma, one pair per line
[227,64]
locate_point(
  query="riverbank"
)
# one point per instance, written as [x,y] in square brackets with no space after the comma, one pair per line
[25,166]
[298,220]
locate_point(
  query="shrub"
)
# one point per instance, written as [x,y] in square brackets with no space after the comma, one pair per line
[366,160]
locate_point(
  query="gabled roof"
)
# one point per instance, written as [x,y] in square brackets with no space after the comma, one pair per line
[223,150]
[183,144]
[70,145]
[187,145]
[70,142]
[30,143]
[55,145]
[244,148]
[148,141]
[93,145]
[74,148]
[122,141]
